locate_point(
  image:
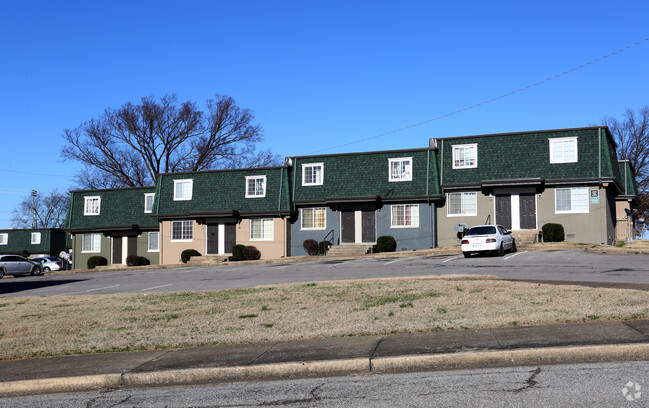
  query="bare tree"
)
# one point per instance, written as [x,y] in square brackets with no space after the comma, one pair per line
[130,146]
[631,134]
[46,211]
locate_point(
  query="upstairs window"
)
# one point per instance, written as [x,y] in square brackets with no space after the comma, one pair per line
[183,189]
[4,238]
[313,218]
[36,238]
[255,186]
[400,169]
[563,150]
[148,202]
[312,174]
[571,200]
[462,204]
[91,205]
[465,156]
[405,216]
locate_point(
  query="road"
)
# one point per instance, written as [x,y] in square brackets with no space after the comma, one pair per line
[567,265]
[585,385]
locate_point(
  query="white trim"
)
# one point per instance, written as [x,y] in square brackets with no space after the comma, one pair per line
[85,205]
[148,246]
[303,228]
[147,195]
[263,220]
[571,205]
[414,225]
[554,160]
[317,182]
[464,146]
[221,242]
[171,238]
[248,178]
[38,240]
[448,205]
[408,174]
[4,241]
[191,189]
[83,239]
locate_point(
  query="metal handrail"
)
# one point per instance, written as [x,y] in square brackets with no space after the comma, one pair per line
[330,240]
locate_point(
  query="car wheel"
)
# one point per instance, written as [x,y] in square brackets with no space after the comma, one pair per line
[2,273]
[46,269]
[36,270]
[514,249]
[466,254]
[501,250]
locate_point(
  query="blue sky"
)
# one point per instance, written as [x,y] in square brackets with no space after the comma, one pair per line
[316,74]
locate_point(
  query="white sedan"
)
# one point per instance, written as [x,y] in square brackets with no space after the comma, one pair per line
[487,238]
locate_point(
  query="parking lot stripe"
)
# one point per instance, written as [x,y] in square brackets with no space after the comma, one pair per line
[450,259]
[513,255]
[156,287]
[396,260]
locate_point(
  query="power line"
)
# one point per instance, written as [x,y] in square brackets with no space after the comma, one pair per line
[488,100]
[35,174]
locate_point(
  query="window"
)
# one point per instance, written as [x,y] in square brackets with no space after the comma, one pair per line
[261,229]
[465,156]
[91,205]
[405,216]
[255,186]
[182,230]
[400,169]
[91,243]
[4,238]
[36,238]
[148,202]
[183,189]
[462,204]
[571,200]
[313,218]
[312,174]
[563,150]
[154,242]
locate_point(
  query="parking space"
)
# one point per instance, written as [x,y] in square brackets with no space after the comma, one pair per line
[569,265]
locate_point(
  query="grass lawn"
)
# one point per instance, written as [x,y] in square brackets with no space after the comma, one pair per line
[52,326]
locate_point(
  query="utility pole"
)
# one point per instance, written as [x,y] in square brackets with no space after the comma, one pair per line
[34,208]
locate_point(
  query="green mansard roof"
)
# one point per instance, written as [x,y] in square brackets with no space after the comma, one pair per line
[627,179]
[366,175]
[222,192]
[119,208]
[526,156]
[19,241]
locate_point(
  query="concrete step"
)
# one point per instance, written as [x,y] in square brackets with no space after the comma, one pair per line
[207,259]
[525,236]
[349,250]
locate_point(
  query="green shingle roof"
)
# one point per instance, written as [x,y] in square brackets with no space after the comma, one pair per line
[19,241]
[627,179]
[119,207]
[527,156]
[366,174]
[222,191]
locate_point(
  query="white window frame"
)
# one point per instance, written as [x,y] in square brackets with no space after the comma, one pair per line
[313,228]
[183,225]
[182,197]
[406,175]
[414,216]
[256,193]
[90,209]
[463,196]
[461,165]
[95,243]
[575,192]
[146,199]
[562,159]
[319,181]
[4,239]
[36,238]
[157,249]
[267,234]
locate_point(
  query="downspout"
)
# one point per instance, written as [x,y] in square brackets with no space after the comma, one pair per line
[294,176]
[430,205]
[279,210]
[603,223]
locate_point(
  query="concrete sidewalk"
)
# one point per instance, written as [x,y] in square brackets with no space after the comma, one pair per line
[534,345]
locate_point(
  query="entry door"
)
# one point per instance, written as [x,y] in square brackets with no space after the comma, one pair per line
[229,237]
[504,211]
[213,239]
[528,211]
[347,227]
[117,250]
[369,226]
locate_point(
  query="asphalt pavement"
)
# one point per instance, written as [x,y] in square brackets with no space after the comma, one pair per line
[361,355]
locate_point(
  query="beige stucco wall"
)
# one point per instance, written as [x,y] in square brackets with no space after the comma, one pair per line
[623,220]
[170,251]
[269,249]
[446,235]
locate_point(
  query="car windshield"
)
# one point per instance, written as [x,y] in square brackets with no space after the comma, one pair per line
[482,231]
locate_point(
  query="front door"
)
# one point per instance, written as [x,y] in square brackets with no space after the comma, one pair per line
[369,226]
[347,227]
[504,211]
[213,239]
[117,250]
[221,238]
[229,237]
[528,211]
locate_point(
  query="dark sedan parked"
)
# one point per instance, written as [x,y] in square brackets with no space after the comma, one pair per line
[18,265]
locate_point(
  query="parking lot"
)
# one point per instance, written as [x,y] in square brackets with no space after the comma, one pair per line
[566,265]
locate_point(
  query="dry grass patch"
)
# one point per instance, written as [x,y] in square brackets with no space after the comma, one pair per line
[43,326]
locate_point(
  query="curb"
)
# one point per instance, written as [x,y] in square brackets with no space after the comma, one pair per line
[357,366]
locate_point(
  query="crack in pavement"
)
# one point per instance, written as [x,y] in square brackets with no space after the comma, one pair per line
[314,398]
[529,383]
